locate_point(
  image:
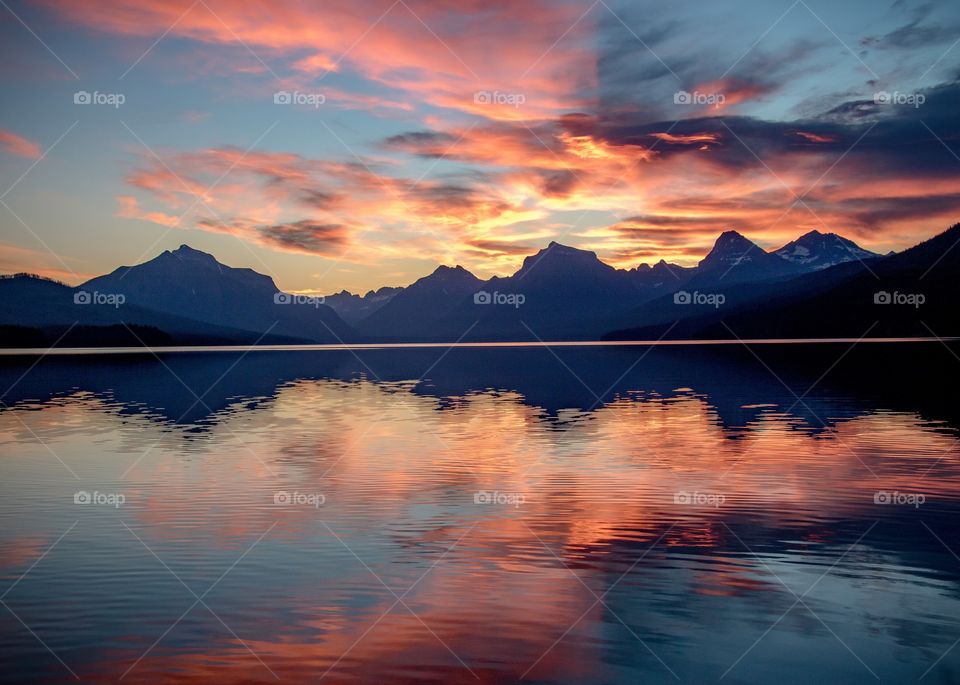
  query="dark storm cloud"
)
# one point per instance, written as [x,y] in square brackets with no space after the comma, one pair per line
[319,199]
[916,33]
[307,236]
[427,143]
[558,183]
[897,138]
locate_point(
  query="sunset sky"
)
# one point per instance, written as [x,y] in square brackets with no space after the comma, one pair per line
[467,132]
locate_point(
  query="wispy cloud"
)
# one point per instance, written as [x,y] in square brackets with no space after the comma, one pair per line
[13,144]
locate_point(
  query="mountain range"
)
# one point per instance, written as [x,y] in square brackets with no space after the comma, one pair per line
[819,285]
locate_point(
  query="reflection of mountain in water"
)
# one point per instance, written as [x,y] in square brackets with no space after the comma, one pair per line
[845,381]
[600,506]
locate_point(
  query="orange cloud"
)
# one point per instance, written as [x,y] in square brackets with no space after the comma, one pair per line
[17,259]
[815,138]
[130,209]
[295,204]
[662,200]
[18,145]
[733,92]
[441,53]
[687,139]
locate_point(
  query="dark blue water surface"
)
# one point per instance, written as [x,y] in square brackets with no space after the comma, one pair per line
[778,514]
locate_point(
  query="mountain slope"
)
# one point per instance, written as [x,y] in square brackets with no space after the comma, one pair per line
[735,259]
[816,250]
[354,308]
[661,275]
[193,284]
[559,292]
[46,309]
[415,312]
[908,294]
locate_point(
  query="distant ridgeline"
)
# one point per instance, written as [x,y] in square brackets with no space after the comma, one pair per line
[819,285]
[27,274]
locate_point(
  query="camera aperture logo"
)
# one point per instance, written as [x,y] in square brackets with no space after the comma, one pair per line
[514,499]
[683,97]
[309,499]
[285,97]
[111,299]
[83,97]
[897,98]
[293,298]
[112,499]
[513,299]
[699,499]
[486,97]
[912,299]
[913,499]
[715,300]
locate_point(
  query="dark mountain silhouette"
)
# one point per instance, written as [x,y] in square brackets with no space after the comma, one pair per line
[819,285]
[908,294]
[816,250]
[734,270]
[115,335]
[193,284]
[566,293]
[413,313]
[38,309]
[737,387]
[353,308]
[578,276]
[912,293]
[661,275]
[560,292]
[735,259]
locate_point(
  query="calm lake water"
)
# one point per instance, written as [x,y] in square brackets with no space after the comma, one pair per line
[568,515]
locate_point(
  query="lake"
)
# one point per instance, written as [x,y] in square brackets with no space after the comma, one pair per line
[483,514]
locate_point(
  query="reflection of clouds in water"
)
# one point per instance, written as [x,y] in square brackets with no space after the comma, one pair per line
[399,468]
[621,463]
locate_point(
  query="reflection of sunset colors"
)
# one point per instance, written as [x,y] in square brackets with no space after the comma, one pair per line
[475,132]
[399,472]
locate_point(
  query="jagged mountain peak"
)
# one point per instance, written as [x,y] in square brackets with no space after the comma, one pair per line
[447,273]
[556,257]
[731,238]
[732,248]
[815,250]
[187,253]
[193,284]
[554,246]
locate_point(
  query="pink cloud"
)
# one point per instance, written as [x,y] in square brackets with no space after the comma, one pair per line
[815,138]
[442,53]
[18,145]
